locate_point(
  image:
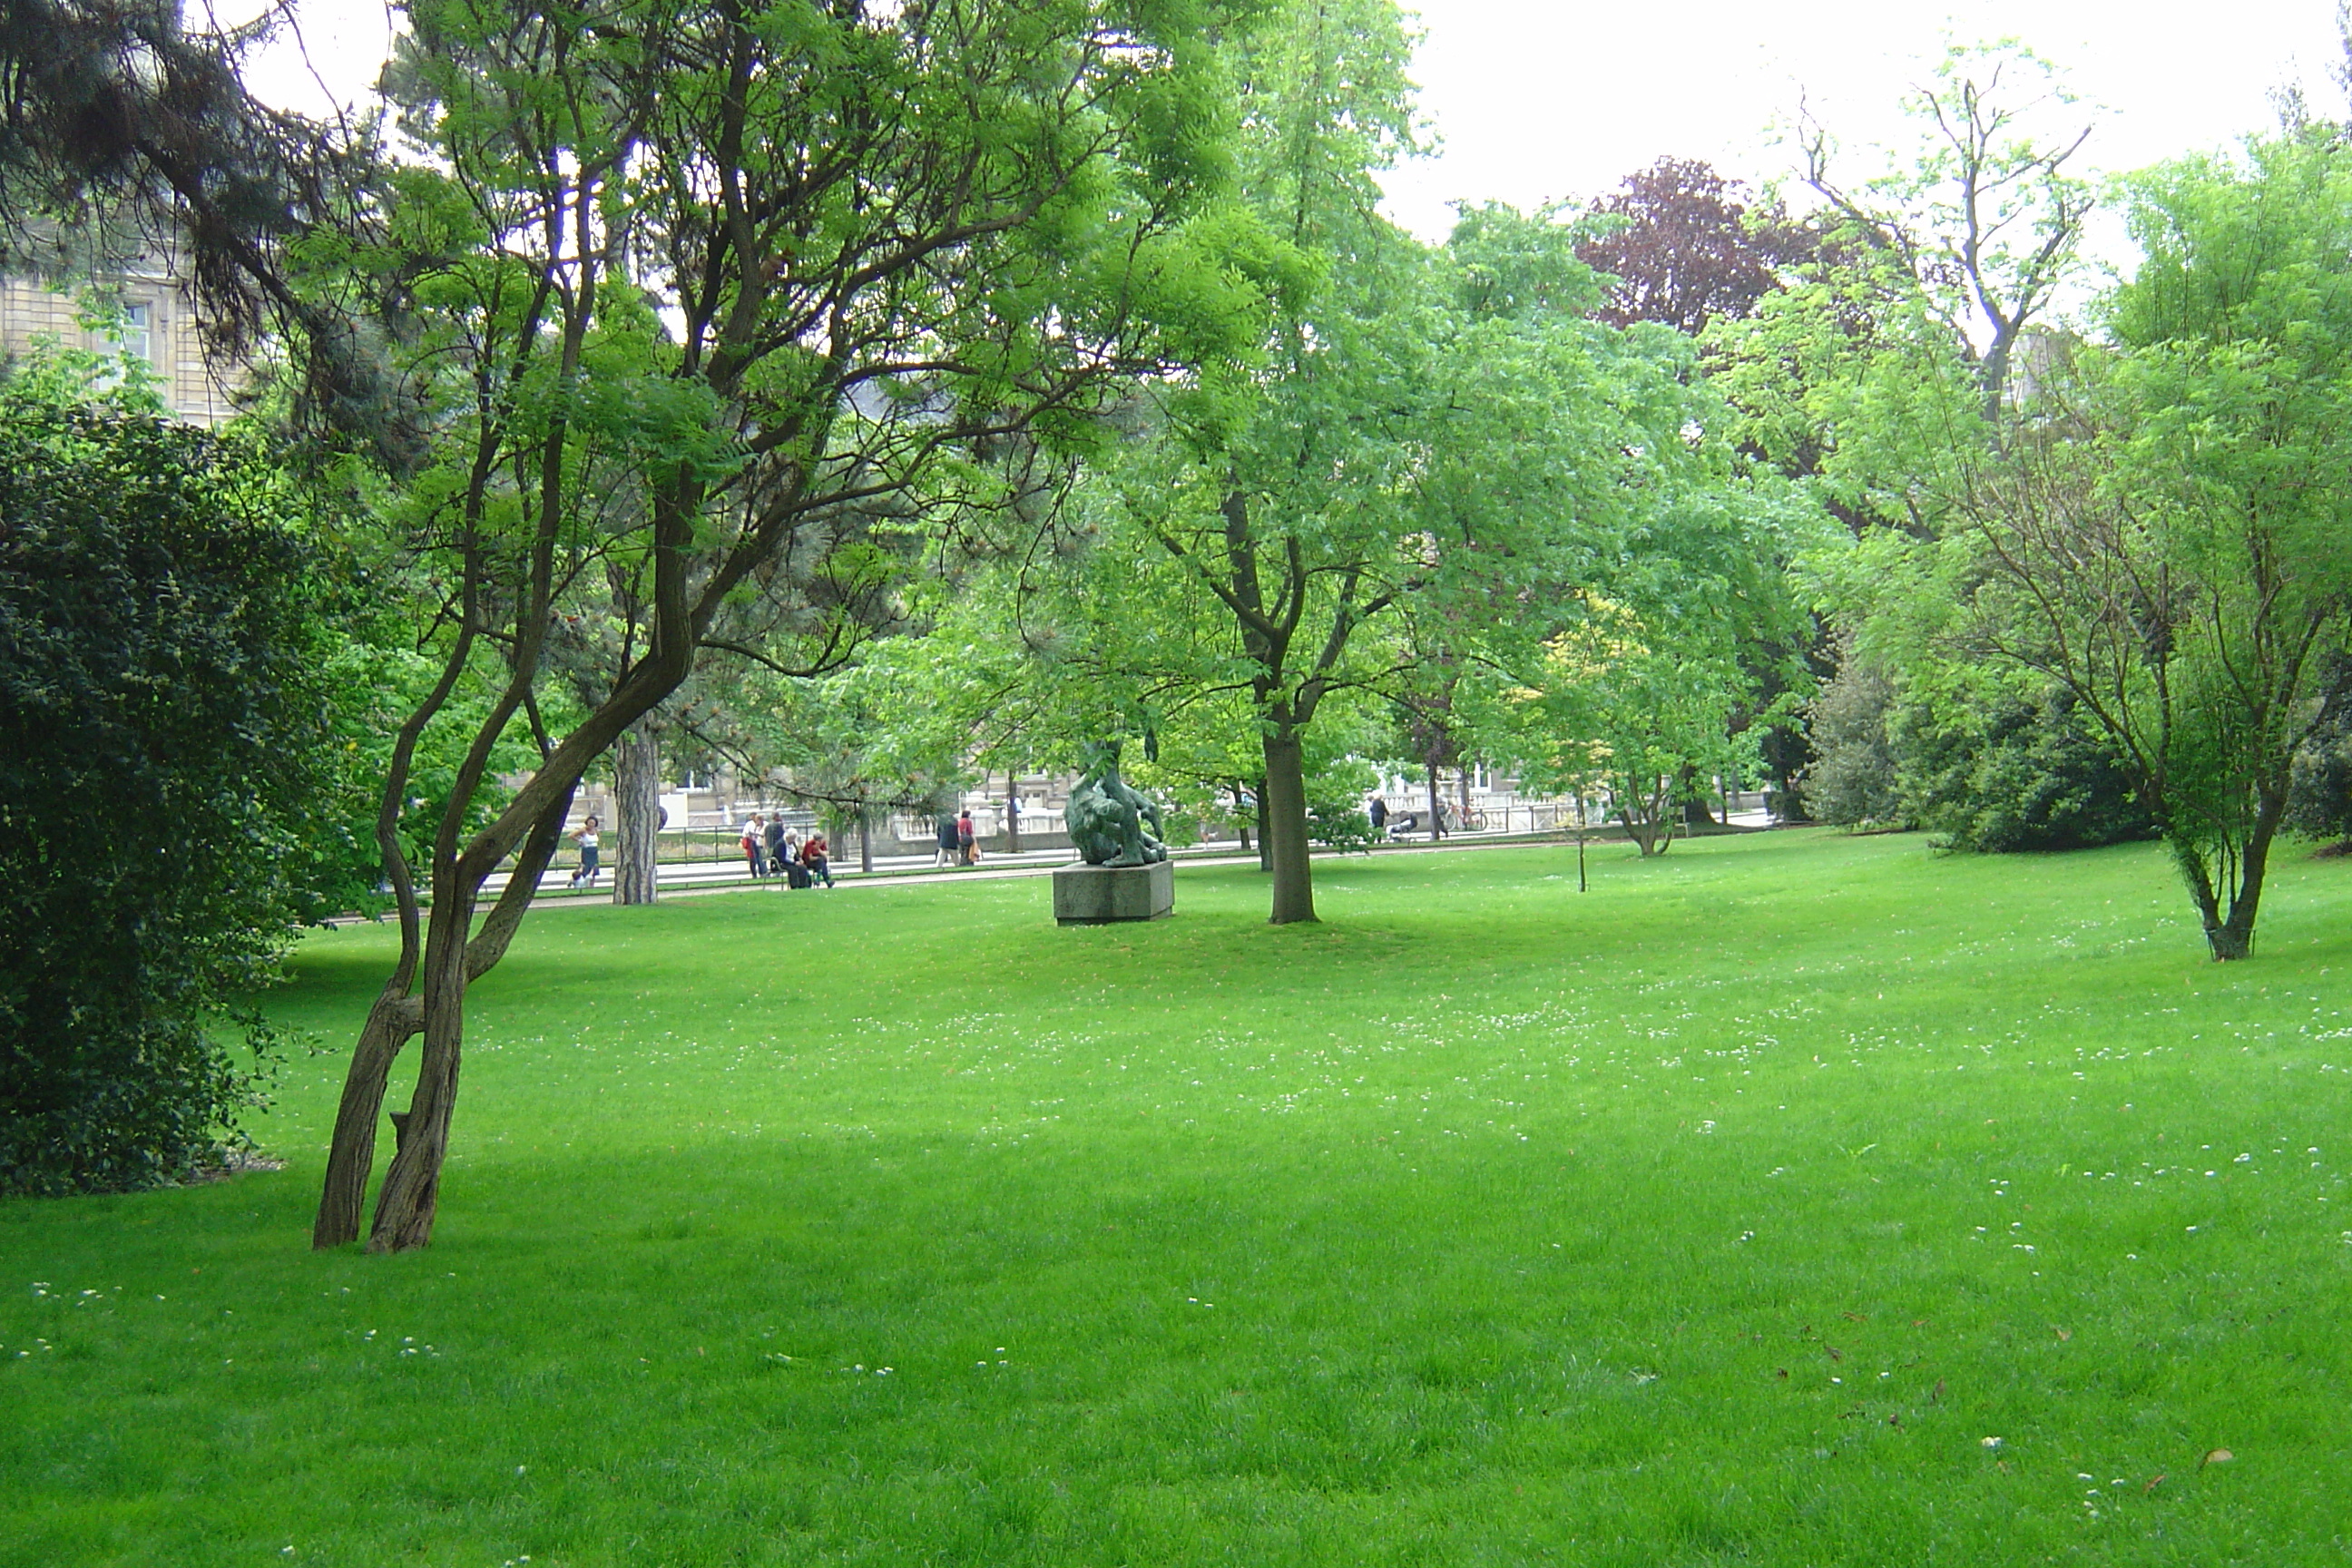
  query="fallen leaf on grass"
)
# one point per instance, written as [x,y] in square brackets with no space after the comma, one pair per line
[2216,1457]
[1937,1398]
[2154,1481]
[2062,1333]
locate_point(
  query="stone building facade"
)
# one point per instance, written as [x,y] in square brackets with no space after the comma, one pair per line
[159,326]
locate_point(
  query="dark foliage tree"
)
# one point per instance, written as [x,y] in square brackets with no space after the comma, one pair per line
[2319,800]
[124,129]
[162,737]
[1688,249]
[2024,772]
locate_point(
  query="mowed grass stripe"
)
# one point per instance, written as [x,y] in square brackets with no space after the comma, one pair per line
[1717,1215]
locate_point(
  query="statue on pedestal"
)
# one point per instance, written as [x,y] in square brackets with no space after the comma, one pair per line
[1107,817]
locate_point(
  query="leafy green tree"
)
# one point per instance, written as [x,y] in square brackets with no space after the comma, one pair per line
[692,289]
[163,749]
[2165,538]
[1621,710]
[1982,222]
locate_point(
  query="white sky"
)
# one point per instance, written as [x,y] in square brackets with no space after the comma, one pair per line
[1538,101]
[1533,100]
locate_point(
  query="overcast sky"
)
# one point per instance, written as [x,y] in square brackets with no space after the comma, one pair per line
[1532,100]
[1536,101]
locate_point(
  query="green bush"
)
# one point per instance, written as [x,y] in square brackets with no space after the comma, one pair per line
[2029,772]
[1851,780]
[1338,827]
[2319,801]
[161,731]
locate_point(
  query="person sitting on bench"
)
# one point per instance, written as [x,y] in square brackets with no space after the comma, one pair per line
[814,857]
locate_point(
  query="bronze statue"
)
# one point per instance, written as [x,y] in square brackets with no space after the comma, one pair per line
[1107,817]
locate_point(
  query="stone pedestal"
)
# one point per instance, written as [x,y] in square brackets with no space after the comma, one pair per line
[1097,894]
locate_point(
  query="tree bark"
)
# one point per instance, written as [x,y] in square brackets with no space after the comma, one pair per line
[352,1154]
[2231,937]
[636,817]
[412,1187]
[865,839]
[1282,828]
[1436,807]
[1012,816]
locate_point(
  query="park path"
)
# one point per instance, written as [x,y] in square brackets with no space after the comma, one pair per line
[703,880]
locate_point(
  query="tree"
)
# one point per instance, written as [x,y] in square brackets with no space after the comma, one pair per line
[2014,767]
[1984,220]
[2164,536]
[1686,249]
[162,747]
[1853,780]
[694,287]
[2320,802]
[1627,710]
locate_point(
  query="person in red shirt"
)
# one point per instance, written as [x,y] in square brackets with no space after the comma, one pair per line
[813,855]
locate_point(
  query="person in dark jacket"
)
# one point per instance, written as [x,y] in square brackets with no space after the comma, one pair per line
[778,850]
[947,856]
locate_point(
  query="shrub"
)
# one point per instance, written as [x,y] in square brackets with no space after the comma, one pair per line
[2320,803]
[1852,779]
[159,733]
[2029,772]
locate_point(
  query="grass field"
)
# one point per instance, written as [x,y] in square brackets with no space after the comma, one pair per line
[1793,1200]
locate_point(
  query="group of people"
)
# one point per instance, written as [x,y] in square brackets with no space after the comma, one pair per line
[771,849]
[956,847]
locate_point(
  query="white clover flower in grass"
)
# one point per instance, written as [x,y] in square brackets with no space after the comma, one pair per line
[1988,1442]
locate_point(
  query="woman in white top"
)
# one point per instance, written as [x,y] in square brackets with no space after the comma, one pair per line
[586,839]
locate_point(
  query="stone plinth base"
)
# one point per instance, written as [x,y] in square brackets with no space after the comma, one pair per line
[1097,894]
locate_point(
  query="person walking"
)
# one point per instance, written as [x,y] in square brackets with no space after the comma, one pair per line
[1380,816]
[947,842]
[816,854]
[755,848]
[967,851]
[587,838]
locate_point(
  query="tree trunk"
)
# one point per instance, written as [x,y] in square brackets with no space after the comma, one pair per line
[636,817]
[1241,821]
[1436,807]
[1698,810]
[1012,816]
[352,1154]
[1465,774]
[412,1187]
[865,839]
[2232,937]
[1282,827]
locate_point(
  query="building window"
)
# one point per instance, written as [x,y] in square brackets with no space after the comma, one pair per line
[127,334]
[136,335]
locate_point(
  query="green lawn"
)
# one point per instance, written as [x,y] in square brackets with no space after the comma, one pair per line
[1727,1212]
